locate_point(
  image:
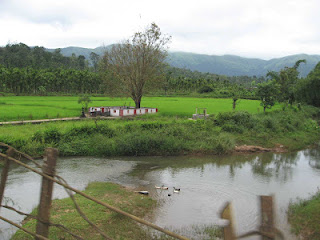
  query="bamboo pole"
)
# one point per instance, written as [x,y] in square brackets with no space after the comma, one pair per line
[267,222]
[46,192]
[228,231]
[4,174]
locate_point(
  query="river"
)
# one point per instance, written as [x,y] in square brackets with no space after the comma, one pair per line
[206,183]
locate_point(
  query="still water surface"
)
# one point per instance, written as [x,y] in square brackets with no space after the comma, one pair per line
[206,183]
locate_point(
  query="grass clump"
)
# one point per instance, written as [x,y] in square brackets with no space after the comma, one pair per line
[113,224]
[304,217]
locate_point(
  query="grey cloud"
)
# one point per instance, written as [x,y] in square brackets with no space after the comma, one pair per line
[63,16]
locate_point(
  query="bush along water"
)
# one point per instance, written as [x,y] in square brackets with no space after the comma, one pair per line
[167,135]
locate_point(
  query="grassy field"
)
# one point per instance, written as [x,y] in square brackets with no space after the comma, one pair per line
[304,217]
[43,107]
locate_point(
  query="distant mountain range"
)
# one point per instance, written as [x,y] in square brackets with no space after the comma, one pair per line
[229,65]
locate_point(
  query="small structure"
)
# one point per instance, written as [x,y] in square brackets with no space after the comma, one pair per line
[120,111]
[201,113]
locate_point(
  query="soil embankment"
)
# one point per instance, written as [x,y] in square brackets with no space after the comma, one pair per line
[257,149]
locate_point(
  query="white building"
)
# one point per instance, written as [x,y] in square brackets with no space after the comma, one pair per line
[120,111]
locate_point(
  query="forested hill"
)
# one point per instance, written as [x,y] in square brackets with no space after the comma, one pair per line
[238,66]
[68,51]
[229,65]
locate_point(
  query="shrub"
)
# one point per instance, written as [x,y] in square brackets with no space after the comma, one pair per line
[51,135]
[81,130]
[220,144]
[205,89]
[271,123]
[146,144]
[153,125]
[37,136]
[79,146]
[228,127]
[240,118]
[105,130]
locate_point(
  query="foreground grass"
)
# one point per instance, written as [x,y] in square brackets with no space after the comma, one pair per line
[304,217]
[160,135]
[113,224]
[42,107]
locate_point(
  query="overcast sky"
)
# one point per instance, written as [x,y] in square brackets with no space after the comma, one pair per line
[250,28]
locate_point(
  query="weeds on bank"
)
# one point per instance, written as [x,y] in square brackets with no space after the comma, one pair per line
[304,217]
[159,135]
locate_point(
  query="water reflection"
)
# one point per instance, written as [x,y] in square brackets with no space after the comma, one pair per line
[206,184]
[314,157]
[278,166]
[263,165]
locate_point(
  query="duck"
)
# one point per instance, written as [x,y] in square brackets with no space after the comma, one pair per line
[162,187]
[142,192]
[176,190]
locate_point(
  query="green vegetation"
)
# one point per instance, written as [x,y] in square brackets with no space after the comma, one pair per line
[51,81]
[268,92]
[84,100]
[304,217]
[21,56]
[308,89]
[35,107]
[113,224]
[161,135]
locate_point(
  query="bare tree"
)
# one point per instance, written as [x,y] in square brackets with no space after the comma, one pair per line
[137,64]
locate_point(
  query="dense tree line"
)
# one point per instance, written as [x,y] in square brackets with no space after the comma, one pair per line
[21,56]
[34,70]
[308,89]
[179,80]
[286,87]
[42,81]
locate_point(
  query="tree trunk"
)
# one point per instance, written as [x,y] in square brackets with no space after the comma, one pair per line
[264,109]
[137,103]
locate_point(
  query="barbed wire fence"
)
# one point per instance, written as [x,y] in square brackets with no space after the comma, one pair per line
[49,177]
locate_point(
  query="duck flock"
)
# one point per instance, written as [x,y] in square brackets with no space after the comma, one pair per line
[175,190]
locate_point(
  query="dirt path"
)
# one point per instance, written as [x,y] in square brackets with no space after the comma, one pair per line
[50,120]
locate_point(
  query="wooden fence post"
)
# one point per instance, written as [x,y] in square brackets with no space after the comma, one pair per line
[48,168]
[267,223]
[228,231]
[4,174]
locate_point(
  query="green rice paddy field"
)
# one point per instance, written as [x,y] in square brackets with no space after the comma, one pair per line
[43,107]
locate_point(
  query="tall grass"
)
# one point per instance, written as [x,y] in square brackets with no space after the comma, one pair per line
[156,135]
[304,217]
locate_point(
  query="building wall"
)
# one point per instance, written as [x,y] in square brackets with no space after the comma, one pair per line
[119,112]
[114,112]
